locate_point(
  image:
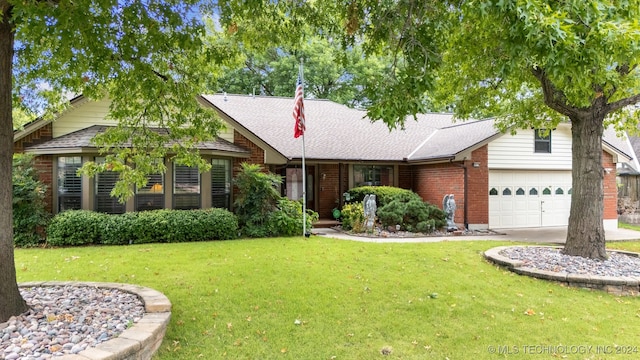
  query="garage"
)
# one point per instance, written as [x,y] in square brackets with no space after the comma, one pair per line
[519,199]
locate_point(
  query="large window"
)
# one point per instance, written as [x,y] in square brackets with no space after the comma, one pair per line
[221,183]
[151,196]
[542,141]
[69,183]
[104,202]
[369,175]
[186,187]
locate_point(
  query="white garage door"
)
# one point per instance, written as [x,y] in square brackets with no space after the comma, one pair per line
[529,198]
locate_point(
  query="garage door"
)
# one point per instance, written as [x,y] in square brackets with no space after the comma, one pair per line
[529,198]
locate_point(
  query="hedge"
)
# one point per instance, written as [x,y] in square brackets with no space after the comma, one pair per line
[82,227]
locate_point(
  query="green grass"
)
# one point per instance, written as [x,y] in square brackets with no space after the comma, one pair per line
[240,299]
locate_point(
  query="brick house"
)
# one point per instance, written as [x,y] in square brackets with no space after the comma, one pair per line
[498,180]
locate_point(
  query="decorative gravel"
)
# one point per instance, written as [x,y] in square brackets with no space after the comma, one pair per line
[66,320]
[551,259]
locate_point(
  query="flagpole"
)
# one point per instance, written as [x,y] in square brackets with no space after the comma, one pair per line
[304,170]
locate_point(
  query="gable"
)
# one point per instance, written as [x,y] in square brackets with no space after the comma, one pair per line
[517,151]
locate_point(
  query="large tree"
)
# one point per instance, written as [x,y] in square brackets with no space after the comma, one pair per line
[529,63]
[148,57]
[329,72]
[536,63]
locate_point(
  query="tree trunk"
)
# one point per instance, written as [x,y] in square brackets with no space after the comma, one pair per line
[11,302]
[585,233]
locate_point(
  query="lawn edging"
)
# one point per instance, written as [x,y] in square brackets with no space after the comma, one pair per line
[629,286]
[140,341]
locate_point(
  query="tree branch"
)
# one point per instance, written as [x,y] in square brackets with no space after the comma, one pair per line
[623,102]
[553,98]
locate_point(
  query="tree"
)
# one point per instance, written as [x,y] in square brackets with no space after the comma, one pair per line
[530,63]
[537,63]
[148,57]
[330,72]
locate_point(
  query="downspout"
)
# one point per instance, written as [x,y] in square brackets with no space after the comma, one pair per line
[465,190]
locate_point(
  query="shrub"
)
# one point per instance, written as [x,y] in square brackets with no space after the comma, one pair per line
[353,217]
[256,199]
[384,194]
[80,227]
[30,217]
[75,227]
[287,220]
[414,215]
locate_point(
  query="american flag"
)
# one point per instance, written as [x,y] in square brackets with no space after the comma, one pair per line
[298,110]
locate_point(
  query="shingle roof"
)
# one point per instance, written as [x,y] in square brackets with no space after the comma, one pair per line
[337,132]
[81,139]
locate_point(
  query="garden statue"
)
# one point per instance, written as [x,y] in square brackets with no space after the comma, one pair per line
[369,205]
[449,208]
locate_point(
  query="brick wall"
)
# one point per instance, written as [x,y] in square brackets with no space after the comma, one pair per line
[433,182]
[39,136]
[610,187]
[478,187]
[44,166]
[256,156]
[405,177]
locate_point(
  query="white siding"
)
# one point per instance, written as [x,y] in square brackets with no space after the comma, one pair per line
[516,151]
[85,115]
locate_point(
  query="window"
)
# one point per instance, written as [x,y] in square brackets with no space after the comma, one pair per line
[366,175]
[542,141]
[151,196]
[221,183]
[186,187]
[69,183]
[104,202]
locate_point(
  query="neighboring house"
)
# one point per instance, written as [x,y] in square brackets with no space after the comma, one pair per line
[498,180]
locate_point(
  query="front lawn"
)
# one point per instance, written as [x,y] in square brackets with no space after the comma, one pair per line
[319,298]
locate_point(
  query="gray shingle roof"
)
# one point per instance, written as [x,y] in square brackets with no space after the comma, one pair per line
[81,139]
[337,132]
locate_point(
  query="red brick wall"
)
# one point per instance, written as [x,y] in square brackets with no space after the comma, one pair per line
[37,137]
[256,157]
[405,179]
[478,187]
[328,189]
[610,187]
[44,166]
[433,182]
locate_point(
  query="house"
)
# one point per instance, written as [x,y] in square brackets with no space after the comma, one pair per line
[498,180]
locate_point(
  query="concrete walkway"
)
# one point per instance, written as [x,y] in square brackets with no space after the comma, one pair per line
[551,235]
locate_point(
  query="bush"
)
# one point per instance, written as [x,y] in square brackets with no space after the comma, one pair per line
[414,215]
[30,217]
[81,227]
[76,227]
[384,194]
[287,220]
[353,217]
[257,198]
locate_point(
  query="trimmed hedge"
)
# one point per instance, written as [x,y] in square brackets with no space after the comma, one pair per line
[82,227]
[384,194]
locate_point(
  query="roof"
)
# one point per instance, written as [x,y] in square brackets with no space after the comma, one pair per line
[81,139]
[337,132]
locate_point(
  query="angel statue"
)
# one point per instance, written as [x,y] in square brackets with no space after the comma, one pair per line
[369,205]
[449,208]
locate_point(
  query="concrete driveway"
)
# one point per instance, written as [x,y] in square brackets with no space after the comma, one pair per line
[551,235]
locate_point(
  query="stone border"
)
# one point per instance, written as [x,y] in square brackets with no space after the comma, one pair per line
[138,342]
[610,284]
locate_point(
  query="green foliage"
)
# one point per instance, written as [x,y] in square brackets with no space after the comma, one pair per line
[141,227]
[75,227]
[256,199]
[353,217]
[29,214]
[413,215]
[287,220]
[384,194]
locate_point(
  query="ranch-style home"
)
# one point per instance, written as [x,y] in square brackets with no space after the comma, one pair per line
[498,180]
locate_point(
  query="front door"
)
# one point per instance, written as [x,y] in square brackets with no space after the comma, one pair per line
[294,185]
